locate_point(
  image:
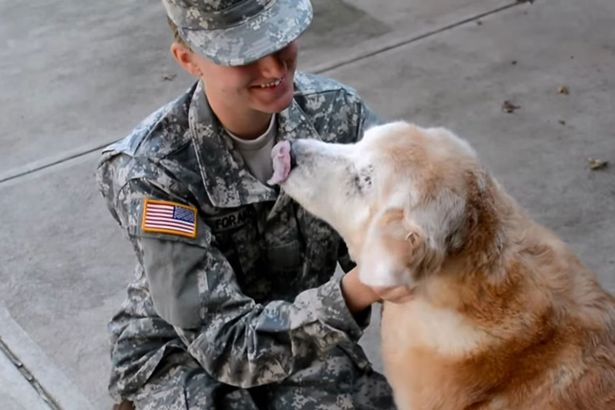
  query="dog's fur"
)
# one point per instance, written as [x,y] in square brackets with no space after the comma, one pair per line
[504,316]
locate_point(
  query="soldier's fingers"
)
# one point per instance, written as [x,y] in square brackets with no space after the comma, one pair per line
[397,294]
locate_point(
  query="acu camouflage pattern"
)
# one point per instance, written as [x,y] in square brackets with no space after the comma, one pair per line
[238,32]
[248,314]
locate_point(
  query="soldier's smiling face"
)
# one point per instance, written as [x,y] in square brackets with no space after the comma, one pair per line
[265,85]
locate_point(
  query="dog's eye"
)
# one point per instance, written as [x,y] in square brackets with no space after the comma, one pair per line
[363,179]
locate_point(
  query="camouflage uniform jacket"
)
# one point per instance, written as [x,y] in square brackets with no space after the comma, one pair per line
[251,296]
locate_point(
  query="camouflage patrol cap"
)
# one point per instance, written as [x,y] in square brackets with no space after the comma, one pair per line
[238,32]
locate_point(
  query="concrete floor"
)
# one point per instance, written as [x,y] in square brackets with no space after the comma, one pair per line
[76,77]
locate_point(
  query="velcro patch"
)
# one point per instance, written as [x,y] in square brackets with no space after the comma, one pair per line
[168,217]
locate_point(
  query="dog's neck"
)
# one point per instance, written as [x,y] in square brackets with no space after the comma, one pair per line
[491,219]
[481,265]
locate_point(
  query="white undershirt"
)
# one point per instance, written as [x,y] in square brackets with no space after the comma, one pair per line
[257,152]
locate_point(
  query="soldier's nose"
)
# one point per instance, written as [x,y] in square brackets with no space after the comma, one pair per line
[272,66]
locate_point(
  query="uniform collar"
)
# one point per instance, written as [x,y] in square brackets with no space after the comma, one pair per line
[226,179]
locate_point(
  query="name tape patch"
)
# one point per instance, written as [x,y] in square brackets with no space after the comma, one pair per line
[168,217]
[230,220]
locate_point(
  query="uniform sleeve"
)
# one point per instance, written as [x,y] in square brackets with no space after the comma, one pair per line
[359,118]
[236,340]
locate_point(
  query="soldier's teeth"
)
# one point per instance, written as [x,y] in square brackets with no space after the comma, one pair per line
[271,84]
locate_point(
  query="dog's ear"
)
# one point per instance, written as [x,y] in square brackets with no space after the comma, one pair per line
[402,245]
[393,252]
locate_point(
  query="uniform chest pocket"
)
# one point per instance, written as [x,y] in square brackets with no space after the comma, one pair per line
[236,236]
[321,248]
[241,248]
[285,257]
[264,271]
[254,254]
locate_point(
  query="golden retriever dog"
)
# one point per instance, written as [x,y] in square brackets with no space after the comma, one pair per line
[503,315]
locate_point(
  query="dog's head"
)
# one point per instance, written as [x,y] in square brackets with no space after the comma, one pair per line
[403,198]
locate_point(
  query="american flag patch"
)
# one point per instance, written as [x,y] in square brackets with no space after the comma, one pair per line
[168,217]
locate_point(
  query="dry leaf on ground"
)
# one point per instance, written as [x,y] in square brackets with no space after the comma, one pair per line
[596,164]
[509,106]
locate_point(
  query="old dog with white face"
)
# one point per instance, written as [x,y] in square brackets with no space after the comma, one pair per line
[503,316]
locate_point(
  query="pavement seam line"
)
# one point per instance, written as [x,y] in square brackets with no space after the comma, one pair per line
[318,70]
[35,169]
[27,375]
[400,43]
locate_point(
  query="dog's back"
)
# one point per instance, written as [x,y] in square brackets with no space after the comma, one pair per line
[531,330]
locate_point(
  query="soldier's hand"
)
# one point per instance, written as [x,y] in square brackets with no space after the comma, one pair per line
[357,295]
[394,294]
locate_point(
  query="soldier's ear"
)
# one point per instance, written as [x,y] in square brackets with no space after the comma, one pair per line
[185,58]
